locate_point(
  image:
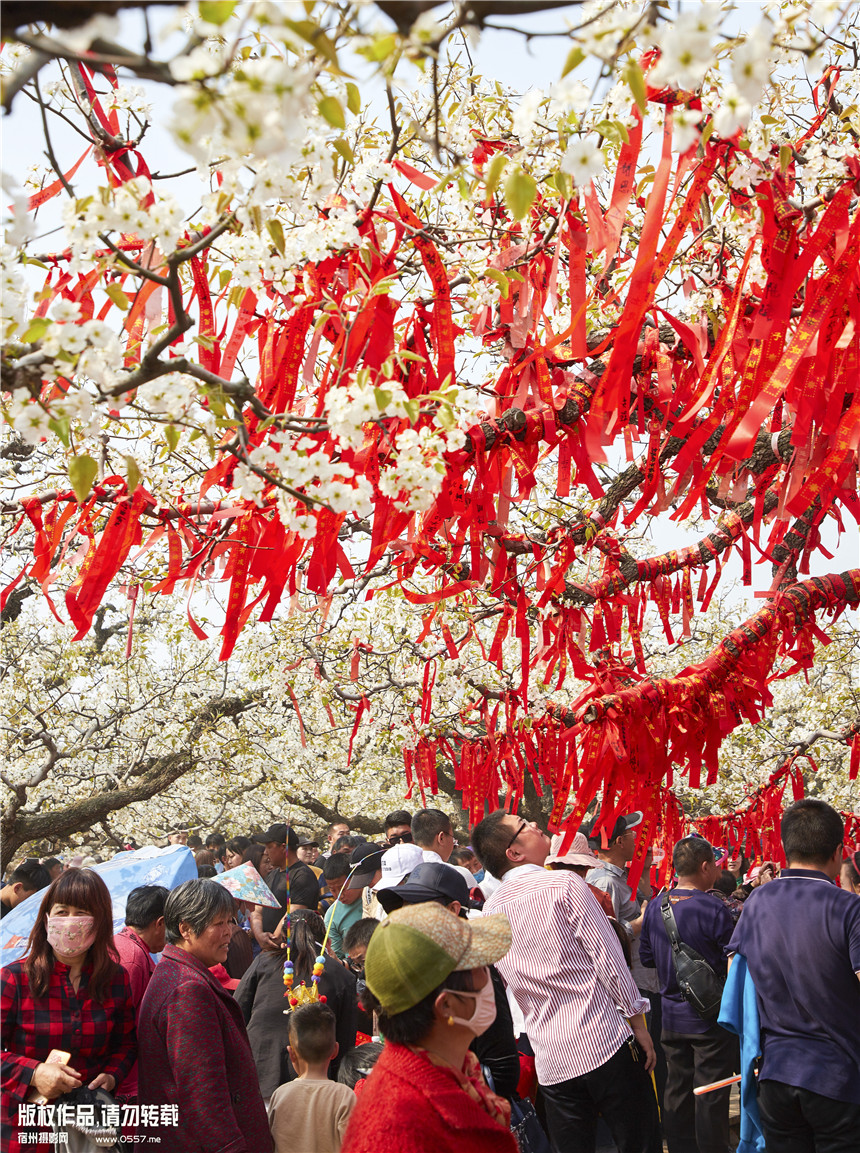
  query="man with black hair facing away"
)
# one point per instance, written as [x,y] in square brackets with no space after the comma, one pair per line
[28,878]
[290,880]
[800,936]
[309,1115]
[698,1052]
[433,833]
[53,865]
[344,845]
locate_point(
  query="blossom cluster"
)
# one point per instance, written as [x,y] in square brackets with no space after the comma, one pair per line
[132,209]
[250,109]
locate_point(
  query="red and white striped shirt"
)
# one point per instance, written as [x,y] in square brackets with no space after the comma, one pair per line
[566,970]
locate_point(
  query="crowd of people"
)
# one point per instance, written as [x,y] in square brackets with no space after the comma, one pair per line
[415,994]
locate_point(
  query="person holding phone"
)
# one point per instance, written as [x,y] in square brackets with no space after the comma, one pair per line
[68,994]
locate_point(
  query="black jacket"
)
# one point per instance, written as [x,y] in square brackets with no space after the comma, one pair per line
[260,996]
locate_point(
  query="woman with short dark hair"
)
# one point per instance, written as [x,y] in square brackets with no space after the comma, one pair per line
[193,1048]
[67,993]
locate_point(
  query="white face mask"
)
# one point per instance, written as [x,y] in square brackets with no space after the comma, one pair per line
[485,1008]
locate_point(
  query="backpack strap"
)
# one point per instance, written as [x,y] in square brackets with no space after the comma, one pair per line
[669,923]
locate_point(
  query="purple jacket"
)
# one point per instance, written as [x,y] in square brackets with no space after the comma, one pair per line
[193,1052]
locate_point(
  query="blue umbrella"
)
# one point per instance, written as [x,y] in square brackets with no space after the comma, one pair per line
[124,872]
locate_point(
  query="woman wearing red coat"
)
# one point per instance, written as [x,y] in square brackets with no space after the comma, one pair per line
[427,977]
[193,1050]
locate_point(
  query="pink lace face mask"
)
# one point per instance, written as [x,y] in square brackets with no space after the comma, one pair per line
[71,936]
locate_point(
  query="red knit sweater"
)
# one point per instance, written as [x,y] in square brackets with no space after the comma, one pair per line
[408,1105]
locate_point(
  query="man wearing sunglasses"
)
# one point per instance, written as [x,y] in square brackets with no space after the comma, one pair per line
[398,828]
[583,1013]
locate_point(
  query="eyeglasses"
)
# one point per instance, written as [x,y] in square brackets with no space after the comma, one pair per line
[355,966]
[524,825]
[400,839]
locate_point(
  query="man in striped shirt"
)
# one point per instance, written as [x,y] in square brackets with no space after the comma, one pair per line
[583,1013]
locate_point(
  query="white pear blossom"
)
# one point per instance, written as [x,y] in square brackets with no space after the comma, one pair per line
[685,129]
[525,115]
[569,95]
[27,417]
[733,113]
[751,62]
[687,48]
[171,395]
[197,64]
[583,160]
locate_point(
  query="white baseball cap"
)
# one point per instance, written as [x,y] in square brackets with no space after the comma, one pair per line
[397,864]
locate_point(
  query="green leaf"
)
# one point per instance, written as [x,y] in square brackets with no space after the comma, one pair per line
[785,155]
[494,172]
[60,425]
[380,49]
[342,147]
[520,192]
[330,109]
[413,409]
[383,398]
[383,286]
[635,79]
[446,417]
[115,292]
[224,277]
[171,435]
[353,98]
[314,35]
[82,472]
[500,279]
[276,230]
[562,182]
[574,58]
[132,474]
[613,130]
[235,297]
[36,329]
[216,11]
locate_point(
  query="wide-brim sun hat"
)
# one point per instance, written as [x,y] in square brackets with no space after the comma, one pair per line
[579,852]
[418,946]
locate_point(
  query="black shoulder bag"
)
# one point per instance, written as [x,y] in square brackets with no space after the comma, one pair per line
[699,984]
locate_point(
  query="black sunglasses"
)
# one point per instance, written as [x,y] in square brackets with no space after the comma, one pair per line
[400,839]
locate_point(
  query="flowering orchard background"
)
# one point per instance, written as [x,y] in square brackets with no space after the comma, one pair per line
[444,406]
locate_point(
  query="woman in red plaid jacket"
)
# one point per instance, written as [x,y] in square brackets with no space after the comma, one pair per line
[68,993]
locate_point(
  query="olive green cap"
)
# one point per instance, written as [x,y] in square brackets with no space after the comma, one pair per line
[416,947]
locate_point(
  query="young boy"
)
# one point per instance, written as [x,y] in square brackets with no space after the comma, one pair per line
[309,1115]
